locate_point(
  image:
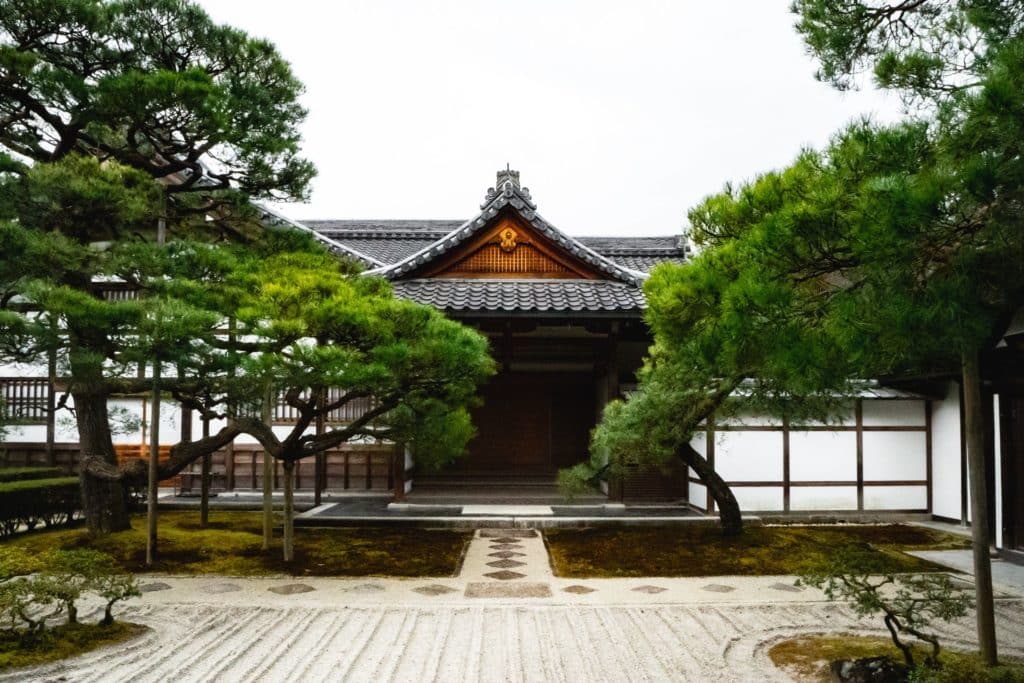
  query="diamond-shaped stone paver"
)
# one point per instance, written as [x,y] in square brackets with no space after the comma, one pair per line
[216,588]
[506,546]
[505,575]
[433,589]
[505,539]
[505,554]
[651,590]
[578,589]
[787,587]
[717,588]
[291,589]
[505,564]
[366,588]
[153,587]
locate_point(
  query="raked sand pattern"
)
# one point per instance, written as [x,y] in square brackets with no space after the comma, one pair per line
[484,625]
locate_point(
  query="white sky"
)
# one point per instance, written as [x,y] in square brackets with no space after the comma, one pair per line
[619,115]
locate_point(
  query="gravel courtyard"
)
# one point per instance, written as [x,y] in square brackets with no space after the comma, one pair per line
[505,617]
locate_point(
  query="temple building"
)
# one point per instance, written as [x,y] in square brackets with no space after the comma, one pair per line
[565,318]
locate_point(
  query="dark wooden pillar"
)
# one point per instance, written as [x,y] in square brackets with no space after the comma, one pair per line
[616,485]
[51,398]
[319,462]
[399,473]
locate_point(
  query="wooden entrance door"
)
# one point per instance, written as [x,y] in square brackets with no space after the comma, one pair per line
[530,424]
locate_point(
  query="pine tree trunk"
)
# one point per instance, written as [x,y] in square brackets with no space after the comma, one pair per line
[204,485]
[289,509]
[974,427]
[104,500]
[728,508]
[154,470]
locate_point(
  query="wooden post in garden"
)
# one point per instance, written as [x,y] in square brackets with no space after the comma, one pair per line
[154,456]
[204,484]
[320,460]
[51,398]
[268,470]
[289,510]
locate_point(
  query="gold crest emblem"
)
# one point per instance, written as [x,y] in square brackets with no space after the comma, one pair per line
[508,239]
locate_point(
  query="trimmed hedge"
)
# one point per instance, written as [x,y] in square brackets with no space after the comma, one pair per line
[28,502]
[23,473]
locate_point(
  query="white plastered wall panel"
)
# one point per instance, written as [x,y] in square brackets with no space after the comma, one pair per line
[946,469]
[749,456]
[748,419]
[759,498]
[823,498]
[895,497]
[895,456]
[823,456]
[894,413]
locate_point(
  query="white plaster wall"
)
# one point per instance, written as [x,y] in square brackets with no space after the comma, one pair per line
[823,456]
[698,495]
[946,474]
[749,456]
[895,498]
[889,413]
[823,498]
[758,498]
[892,456]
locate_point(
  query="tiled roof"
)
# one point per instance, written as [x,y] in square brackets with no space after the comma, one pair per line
[530,296]
[390,241]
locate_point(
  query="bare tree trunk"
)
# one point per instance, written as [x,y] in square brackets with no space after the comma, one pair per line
[204,485]
[974,426]
[154,470]
[268,473]
[289,509]
[728,508]
[104,500]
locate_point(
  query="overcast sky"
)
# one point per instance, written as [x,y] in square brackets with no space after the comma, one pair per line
[619,115]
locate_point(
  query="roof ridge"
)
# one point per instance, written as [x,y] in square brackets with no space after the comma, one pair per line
[518,198]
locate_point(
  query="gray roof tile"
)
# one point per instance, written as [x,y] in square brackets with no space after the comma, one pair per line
[534,296]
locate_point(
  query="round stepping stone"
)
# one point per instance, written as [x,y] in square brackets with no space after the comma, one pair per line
[433,589]
[291,589]
[505,564]
[717,588]
[787,587]
[366,588]
[216,588]
[579,590]
[650,589]
[505,554]
[153,587]
[505,575]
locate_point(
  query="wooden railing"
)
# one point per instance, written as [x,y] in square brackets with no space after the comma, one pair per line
[286,414]
[24,399]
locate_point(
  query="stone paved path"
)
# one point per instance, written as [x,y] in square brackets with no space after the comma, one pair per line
[484,625]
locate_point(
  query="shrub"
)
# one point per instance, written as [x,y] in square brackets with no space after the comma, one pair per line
[31,501]
[24,473]
[908,603]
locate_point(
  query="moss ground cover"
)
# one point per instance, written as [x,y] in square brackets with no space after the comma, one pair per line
[703,551]
[809,658]
[231,545]
[61,642]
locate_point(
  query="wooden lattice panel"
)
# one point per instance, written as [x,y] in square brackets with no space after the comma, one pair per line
[491,258]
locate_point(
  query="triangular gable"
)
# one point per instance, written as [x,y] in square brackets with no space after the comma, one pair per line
[540,250]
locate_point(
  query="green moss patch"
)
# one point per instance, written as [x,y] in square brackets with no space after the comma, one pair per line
[232,545]
[809,659]
[682,550]
[62,642]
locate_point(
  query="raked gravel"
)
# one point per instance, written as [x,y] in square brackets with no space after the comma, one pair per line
[461,641]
